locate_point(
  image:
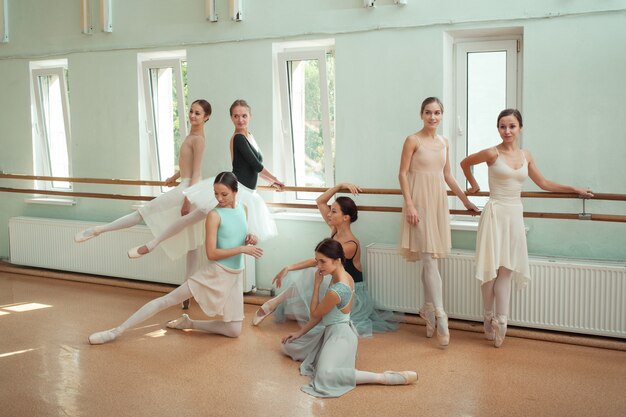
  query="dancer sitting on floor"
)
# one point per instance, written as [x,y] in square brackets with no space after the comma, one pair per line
[217,286]
[298,278]
[329,356]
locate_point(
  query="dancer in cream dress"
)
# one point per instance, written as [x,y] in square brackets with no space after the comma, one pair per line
[425,230]
[217,286]
[501,252]
[329,356]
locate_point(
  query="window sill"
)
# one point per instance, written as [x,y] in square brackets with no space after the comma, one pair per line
[301,215]
[51,201]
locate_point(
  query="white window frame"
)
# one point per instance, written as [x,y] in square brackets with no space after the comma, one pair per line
[462,47]
[41,147]
[150,155]
[318,53]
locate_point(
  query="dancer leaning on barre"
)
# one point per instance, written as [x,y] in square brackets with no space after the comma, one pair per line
[217,286]
[247,166]
[501,253]
[297,279]
[329,356]
[171,208]
[425,231]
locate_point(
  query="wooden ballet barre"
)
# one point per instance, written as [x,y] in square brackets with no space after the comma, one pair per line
[77,194]
[373,191]
[81,180]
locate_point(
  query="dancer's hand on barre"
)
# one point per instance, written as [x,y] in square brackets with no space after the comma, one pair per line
[471,206]
[584,192]
[251,239]
[171,181]
[472,189]
[252,251]
[354,189]
[278,185]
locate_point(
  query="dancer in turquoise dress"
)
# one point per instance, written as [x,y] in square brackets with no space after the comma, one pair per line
[501,253]
[217,286]
[297,279]
[329,356]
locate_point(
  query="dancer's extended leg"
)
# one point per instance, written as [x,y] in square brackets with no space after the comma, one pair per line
[502,291]
[433,297]
[386,378]
[488,299]
[225,328]
[269,306]
[121,223]
[193,217]
[175,297]
[192,266]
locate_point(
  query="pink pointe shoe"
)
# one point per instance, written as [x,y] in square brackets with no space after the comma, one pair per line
[85,235]
[261,314]
[490,333]
[443,334]
[134,252]
[400,377]
[100,338]
[499,327]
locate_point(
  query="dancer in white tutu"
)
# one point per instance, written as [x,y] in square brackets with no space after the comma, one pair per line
[217,286]
[248,166]
[329,356]
[501,253]
[165,209]
[297,279]
[425,230]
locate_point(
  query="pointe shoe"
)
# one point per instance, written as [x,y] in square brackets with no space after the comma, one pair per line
[261,314]
[499,327]
[134,252]
[443,334]
[427,312]
[100,338]
[181,323]
[85,235]
[490,334]
[409,377]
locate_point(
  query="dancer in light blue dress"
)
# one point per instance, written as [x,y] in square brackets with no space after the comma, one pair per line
[297,279]
[329,356]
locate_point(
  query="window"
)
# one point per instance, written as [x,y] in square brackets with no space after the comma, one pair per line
[307,108]
[164,92]
[486,83]
[51,122]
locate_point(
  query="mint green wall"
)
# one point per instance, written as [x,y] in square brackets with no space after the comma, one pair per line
[387,60]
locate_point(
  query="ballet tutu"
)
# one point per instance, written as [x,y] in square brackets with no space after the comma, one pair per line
[218,290]
[163,211]
[201,195]
[365,317]
[260,220]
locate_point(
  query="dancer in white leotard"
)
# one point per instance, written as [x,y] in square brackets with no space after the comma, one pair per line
[501,253]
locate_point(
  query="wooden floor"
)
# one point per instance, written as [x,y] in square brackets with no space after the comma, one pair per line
[47,367]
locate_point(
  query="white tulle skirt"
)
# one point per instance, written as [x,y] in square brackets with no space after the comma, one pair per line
[260,220]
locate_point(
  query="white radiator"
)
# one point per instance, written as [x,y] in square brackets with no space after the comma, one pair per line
[49,243]
[567,295]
